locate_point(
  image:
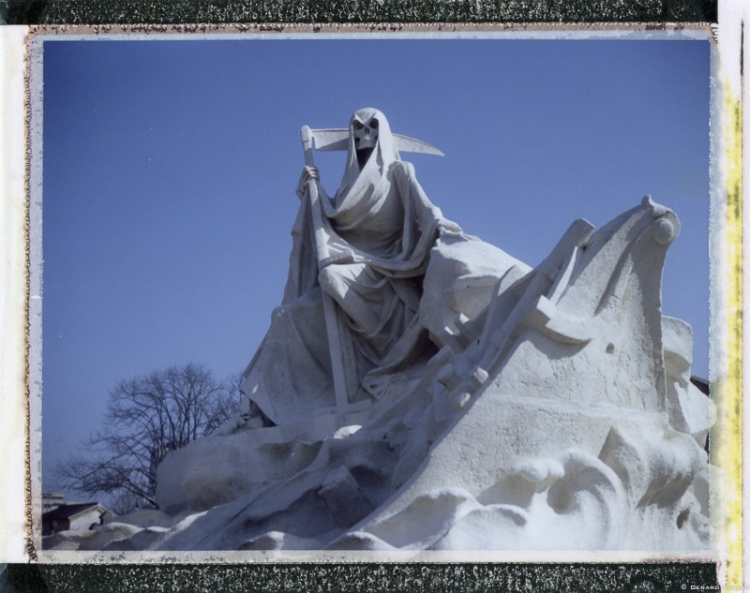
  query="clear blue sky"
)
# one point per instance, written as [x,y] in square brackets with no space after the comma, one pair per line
[170,169]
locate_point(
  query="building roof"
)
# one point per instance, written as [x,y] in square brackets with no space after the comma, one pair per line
[68,511]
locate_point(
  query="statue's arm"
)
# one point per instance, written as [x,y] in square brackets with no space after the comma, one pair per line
[426,212]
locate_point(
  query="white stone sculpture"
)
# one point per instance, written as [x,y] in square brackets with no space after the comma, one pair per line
[350,324]
[422,390]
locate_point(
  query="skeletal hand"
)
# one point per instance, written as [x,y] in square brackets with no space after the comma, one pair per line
[308,174]
[449,227]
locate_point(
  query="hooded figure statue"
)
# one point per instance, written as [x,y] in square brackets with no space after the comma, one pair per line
[379,230]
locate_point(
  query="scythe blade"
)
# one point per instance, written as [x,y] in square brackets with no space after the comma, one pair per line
[337,139]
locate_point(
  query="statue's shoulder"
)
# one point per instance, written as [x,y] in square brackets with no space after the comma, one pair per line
[403,168]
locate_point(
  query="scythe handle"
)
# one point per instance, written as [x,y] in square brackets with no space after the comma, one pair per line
[341,375]
[306,135]
[321,243]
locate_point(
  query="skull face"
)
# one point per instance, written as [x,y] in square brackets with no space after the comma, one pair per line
[365,135]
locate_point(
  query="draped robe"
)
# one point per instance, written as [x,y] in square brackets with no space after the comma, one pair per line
[379,229]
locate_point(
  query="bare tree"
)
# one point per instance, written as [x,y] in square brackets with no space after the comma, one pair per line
[145,419]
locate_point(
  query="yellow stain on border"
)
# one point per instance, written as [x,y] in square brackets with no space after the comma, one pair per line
[727,433]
